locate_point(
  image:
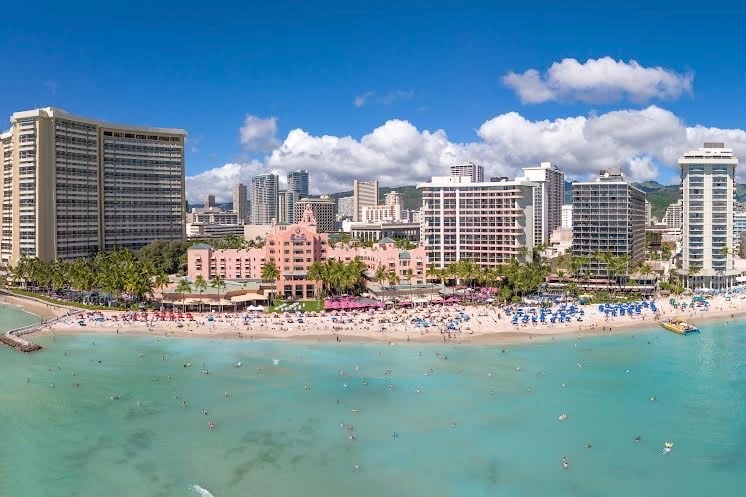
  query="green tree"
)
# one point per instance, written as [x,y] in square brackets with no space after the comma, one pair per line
[218,283]
[183,288]
[200,285]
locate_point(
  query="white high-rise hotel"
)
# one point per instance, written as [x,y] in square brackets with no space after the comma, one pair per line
[708,188]
[549,195]
[72,186]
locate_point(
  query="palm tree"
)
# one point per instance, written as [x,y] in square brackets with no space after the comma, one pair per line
[182,289]
[270,271]
[200,285]
[393,280]
[316,273]
[218,283]
[162,280]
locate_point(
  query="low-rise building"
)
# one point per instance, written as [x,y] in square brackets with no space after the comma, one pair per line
[209,230]
[378,231]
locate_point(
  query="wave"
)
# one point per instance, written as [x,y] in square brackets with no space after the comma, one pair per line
[202,491]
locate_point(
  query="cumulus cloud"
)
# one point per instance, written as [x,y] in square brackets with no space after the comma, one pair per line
[384,98]
[598,81]
[644,143]
[219,181]
[258,134]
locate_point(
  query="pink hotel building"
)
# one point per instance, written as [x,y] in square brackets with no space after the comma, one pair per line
[293,248]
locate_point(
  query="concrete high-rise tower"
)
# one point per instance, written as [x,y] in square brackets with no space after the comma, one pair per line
[549,196]
[708,184]
[240,204]
[75,185]
[364,194]
[264,198]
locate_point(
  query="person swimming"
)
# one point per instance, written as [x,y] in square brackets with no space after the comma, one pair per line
[565,463]
[638,438]
[211,425]
[204,412]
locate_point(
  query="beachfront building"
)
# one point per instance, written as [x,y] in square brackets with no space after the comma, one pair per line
[364,193]
[240,202]
[490,223]
[708,188]
[469,169]
[549,194]
[608,216]
[674,215]
[75,185]
[323,210]
[264,199]
[293,249]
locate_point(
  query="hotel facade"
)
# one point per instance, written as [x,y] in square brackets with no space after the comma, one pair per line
[608,216]
[708,186]
[293,249]
[73,185]
[487,222]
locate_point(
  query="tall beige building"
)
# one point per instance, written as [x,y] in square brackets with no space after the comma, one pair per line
[364,193]
[74,185]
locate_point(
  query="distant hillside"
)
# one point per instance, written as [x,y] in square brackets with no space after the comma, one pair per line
[659,196]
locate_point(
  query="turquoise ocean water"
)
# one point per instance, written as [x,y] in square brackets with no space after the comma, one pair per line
[275,438]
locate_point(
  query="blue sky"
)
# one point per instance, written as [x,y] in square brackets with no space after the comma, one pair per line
[415,68]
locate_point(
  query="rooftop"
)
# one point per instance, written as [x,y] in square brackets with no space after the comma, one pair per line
[53,112]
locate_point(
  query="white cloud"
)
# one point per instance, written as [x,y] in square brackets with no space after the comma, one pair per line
[645,143]
[383,99]
[597,81]
[258,134]
[219,181]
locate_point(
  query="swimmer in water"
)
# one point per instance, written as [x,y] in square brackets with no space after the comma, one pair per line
[653,398]
[638,438]
[226,394]
[305,387]
[565,463]
[356,467]
[204,412]
[211,425]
